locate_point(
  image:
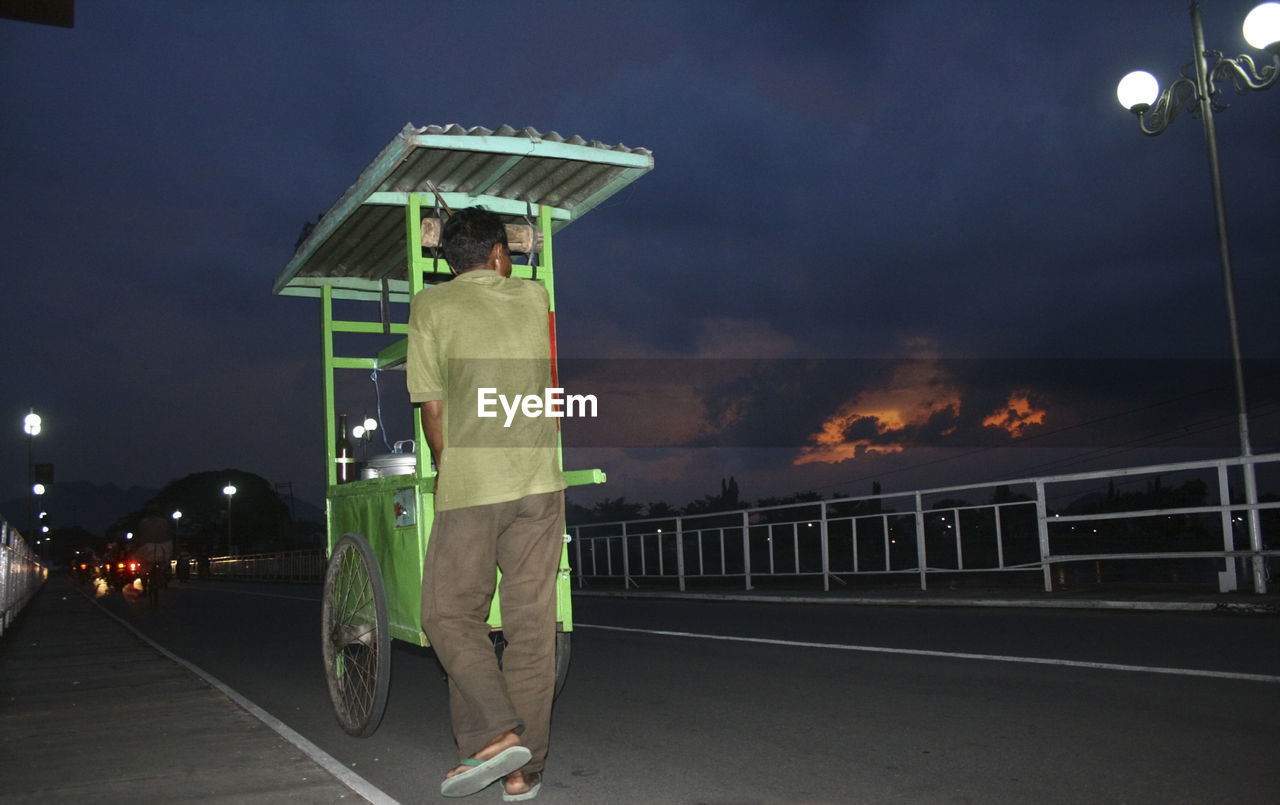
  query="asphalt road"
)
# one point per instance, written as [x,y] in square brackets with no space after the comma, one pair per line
[719,703]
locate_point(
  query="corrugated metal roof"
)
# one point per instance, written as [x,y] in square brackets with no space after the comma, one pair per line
[360,241]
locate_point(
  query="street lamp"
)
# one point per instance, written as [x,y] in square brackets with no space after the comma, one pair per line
[37,491]
[1139,93]
[31,427]
[229,490]
[183,566]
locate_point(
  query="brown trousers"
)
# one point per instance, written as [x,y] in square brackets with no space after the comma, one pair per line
[522,538]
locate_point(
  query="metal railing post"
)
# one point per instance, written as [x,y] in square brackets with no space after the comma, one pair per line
[1042,528]
[955,518]
[1227,578]
[795,547]
[921,555]
[746,548]
[884,528]
[680,552]
[626,561]
[999,539]
[1254,519]
[826,553]
[853,542]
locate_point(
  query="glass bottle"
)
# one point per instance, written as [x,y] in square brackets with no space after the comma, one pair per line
[346,455]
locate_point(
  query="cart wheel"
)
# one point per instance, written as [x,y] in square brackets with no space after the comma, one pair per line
[356,639]
[563,644]
[564,640]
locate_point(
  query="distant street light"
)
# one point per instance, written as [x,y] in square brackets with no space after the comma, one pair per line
[1139,93]
[31,426]
[229,490]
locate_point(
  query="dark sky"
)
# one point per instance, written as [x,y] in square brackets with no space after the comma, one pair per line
[949,185]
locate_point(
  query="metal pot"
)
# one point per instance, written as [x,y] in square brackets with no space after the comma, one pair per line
[397,462]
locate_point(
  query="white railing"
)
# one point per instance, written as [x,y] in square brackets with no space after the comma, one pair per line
[295,566]
[21,574]
[1086,527]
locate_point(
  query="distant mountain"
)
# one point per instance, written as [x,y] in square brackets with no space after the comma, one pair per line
[94,507]
[80,503]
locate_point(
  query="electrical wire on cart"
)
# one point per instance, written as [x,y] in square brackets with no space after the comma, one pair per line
[377,396]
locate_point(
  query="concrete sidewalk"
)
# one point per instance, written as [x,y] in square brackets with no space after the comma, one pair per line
[90,712]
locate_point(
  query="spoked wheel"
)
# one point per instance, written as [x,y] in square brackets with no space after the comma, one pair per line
[357,639]
[563,644]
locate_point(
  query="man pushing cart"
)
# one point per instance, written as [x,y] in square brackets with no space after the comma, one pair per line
[497,501]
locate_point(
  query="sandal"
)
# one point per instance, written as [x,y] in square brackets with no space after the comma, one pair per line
[483,773]
[532,779]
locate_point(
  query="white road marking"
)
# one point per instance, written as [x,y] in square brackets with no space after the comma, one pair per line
[350,779]
[960,655]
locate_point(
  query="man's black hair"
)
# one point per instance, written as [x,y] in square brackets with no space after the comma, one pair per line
[469,235]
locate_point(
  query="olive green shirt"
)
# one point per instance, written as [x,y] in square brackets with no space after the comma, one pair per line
[473,341]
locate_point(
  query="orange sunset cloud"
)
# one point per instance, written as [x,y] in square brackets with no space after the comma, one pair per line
[1017,415]
[916,392]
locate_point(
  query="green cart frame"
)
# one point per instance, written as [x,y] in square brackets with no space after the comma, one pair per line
[375,246]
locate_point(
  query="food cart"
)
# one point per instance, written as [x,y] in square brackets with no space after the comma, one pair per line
[364,259]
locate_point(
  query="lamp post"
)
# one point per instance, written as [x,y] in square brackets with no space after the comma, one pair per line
[37,539]
[229,490]
[31,426]
[1139,92]
[183,566]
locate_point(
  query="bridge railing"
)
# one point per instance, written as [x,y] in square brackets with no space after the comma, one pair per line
[21,574]
[1179,523]
[287,566]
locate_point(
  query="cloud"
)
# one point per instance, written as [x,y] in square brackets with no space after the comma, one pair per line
[1017,416]
[918,397]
